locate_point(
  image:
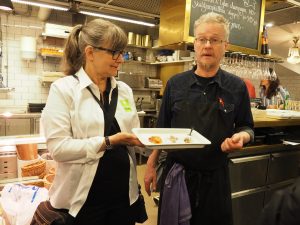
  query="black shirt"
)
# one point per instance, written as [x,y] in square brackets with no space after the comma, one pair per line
[232,89]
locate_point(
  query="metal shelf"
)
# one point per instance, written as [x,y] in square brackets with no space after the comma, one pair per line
[5,90]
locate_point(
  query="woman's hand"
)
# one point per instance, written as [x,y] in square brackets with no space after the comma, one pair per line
[124,138]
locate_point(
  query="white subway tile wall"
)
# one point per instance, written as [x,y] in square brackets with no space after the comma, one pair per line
[24,76]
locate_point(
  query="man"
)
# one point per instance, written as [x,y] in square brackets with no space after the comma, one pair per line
[216,104]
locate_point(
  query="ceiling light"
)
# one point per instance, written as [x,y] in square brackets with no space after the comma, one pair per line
[117,18]
[293,56]
[40,4]
[6,5]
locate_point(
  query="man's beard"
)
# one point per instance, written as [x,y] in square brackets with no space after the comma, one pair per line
[206,67]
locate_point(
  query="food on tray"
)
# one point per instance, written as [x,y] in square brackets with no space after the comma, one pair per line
[155,139]
[173,139]
[187,140]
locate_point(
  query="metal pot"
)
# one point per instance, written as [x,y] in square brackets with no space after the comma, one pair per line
[131,38]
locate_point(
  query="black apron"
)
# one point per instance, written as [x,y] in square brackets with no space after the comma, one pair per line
[207,175]
[109,190]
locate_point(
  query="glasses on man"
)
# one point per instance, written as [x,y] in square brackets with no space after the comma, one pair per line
[114,53]
[213,41]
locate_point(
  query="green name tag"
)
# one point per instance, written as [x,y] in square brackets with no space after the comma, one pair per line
[125,104]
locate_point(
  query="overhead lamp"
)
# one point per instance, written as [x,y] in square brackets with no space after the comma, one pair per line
[293,56]
[41,4]
[6,5]
[73,6]
[116,18]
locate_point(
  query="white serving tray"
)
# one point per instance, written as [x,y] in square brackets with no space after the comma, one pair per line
[197,140]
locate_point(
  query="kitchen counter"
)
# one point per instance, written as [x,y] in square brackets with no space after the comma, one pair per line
[261,119]
[20,115]
[22,139]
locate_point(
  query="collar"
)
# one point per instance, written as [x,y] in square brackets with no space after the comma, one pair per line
[85,80]
[217,78]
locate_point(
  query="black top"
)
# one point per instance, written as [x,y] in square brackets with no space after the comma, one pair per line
[232,89]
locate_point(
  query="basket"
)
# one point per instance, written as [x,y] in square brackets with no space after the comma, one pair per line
[34,169]
[48,179]
[27,151]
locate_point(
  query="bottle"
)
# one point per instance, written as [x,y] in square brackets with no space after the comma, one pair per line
[286,100]
[264,42]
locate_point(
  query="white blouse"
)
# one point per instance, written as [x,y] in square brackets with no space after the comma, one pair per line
[73,124]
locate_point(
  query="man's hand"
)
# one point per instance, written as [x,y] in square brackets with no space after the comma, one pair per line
[150,173]
[236,142]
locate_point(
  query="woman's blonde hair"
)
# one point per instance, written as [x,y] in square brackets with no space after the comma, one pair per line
[96,33]
[213,17]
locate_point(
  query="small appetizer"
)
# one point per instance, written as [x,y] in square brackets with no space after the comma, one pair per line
[155,139]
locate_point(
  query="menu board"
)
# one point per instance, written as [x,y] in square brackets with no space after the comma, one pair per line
[244,17]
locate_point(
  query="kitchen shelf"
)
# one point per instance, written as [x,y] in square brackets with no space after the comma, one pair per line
[137,46]
[50,55]
[172,62]
[158,63]
[5,90]
[45,35]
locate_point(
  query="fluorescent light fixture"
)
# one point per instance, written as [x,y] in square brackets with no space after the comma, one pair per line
[6,5]
[117,18]
[44,5]
[269,25]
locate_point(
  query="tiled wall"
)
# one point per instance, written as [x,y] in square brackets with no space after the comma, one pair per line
[24,76]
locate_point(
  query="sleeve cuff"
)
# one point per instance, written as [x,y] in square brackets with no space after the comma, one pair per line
[93,152]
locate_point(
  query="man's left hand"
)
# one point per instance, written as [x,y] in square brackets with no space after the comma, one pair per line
[236,142]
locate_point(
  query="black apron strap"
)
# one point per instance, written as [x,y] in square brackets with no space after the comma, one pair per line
[109,113]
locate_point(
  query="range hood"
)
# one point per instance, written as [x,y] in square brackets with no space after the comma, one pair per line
[173,29]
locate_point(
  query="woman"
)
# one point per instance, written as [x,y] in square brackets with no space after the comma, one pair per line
[272,93]
[96,174]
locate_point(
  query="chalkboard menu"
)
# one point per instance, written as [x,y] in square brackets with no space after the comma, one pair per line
[244,17]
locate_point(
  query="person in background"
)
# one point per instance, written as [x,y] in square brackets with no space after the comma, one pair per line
[272,93]
[284,207]
[216,104]
[96,174]
[250,88]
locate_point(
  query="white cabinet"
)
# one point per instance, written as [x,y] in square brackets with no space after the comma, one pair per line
[17,126]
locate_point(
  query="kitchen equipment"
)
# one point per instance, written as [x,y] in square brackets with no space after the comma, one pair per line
[131,38]
[36,107]
[153,83]
[146,41]
[134,80]
[138,40]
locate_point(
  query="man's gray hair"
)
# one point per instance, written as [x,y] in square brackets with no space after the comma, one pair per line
[213,17]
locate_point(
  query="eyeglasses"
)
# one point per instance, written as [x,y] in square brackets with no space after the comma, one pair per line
[114,53]
[213,42]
